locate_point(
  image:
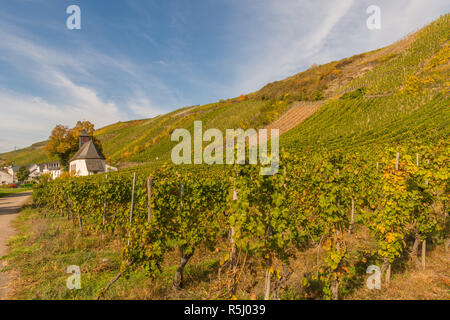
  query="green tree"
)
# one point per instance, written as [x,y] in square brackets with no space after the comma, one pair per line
[23,173]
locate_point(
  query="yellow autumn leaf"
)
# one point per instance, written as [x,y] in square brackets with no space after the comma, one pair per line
[381,228]
[390,237]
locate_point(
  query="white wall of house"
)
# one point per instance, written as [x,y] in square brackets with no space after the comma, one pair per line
[79,168]
[34,175]
[12,170]
[35,172]
[5,178]
[54,173]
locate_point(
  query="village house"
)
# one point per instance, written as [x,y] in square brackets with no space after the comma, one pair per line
[12,170]
[6,178]
[36,170]
[8,175]
[88,160]
[53,168]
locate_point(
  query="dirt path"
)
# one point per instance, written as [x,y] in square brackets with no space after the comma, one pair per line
[9,210]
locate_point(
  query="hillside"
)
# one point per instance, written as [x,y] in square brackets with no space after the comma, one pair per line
[387,95]
[32,154]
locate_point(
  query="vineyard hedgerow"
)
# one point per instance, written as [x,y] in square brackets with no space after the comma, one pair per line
[313,202]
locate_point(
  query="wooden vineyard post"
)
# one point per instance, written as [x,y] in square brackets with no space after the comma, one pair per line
[267,286]
[149,198]
[350,229]
[178,279]
[132,204]
[181,196]
[232,233]
[132,197]
[80,222]
[70,210]
[417,159]
[388,275]
[104,214]
[233,259]
[424,249]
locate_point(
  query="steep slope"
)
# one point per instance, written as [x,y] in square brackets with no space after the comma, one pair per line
[32,154]
[405,98]
[387,95]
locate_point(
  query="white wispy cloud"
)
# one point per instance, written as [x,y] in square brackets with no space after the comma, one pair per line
[292,32]
[142,107]
[281,38]
[28,118]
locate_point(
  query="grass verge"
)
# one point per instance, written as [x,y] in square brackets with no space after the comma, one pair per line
[8,191]
[45,246]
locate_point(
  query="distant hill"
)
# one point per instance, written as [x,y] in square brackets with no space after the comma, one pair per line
[32,154]
[384,96]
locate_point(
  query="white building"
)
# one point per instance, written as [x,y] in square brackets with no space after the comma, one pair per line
[6,178]
[12,170]
[54,168]
[36,170]
[88,160]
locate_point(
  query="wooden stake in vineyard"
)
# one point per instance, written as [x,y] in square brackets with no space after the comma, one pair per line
[424,249]
[104,214]
[350,229]
[132,197]
[149,199]
[132,203]
[70,210]
[80,222]
[184,258]
[232,232]
[233,259]
[269,270]
[388,274]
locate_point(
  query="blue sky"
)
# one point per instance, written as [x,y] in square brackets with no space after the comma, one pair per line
[136,59]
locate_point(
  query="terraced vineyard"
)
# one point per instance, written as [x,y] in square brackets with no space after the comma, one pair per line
[296,114]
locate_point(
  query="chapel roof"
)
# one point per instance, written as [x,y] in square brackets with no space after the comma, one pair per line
[88,151]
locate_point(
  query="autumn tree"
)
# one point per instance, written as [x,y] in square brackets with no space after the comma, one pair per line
[63,142]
